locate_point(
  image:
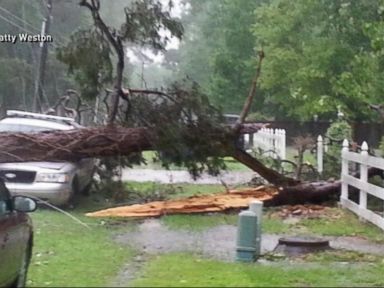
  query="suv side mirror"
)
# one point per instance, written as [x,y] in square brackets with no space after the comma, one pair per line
[24,204]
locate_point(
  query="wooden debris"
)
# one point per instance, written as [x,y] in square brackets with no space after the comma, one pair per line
[233,199]
[307,210]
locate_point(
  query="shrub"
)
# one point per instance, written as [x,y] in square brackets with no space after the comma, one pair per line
[336,133]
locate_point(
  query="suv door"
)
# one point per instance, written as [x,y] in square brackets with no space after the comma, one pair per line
[11,238]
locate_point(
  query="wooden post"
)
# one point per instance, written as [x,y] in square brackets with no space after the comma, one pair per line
[274,134]
[271,141]
[246,141]
[320,154]
[363,175]
[40,77]
[344,170]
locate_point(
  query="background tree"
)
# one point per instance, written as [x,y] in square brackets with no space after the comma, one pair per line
[321,55]
[218,50]
[19,61]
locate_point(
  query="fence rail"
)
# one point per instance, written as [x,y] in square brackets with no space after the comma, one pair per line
[271,141]
[361,183]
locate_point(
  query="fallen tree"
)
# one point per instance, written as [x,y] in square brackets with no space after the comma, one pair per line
[74,145]
[178,122]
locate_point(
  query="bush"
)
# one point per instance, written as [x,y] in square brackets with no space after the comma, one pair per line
[335,135]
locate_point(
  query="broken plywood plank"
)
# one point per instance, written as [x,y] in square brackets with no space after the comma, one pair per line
[196,204]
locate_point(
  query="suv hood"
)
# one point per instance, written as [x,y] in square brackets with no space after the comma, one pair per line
[23,165]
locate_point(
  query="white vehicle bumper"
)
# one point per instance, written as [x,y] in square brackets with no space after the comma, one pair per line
[54,193]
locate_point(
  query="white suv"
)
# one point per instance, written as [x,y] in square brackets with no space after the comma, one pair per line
[55,182]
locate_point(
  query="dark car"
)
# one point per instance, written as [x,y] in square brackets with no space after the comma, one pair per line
[16,237]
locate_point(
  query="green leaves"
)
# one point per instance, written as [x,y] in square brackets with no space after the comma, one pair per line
[321,54]
[144,22]
[189,130]
[88,56]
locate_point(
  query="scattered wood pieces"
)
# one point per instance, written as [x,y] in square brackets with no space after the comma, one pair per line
[301,210]
[233,199]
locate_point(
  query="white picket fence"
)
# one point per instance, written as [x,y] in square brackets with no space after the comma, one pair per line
[272,141]
[362,184]
[320,154]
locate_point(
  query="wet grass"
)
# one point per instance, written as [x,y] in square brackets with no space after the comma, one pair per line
[186,270]
[179,190]
[347,225]
[333,222]
[68,254]
[344,256]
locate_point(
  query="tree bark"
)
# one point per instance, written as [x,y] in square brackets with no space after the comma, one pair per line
[72,145]
[268,174]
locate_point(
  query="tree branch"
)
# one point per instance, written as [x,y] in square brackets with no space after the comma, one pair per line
[252,91]
[115,41]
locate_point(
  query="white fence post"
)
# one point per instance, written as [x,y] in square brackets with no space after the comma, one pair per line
[270,141]
[362,183]
[344,170]
[363,175]
[274,142]
[320,154]
[247,141]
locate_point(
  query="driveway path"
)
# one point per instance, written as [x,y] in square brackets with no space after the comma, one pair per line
[181,176]
[153,237]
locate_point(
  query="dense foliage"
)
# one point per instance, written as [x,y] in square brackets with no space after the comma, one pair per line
[336,133]
[19,61]
[320,54]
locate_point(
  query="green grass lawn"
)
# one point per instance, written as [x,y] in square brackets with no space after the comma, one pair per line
[68,254]
[186,270]
[334,222]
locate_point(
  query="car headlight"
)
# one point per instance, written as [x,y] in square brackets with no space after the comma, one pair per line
[52,177]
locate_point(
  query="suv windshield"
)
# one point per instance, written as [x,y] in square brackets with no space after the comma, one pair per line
[8,127]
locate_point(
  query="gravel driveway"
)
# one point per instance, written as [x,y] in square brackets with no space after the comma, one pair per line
[153,237]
